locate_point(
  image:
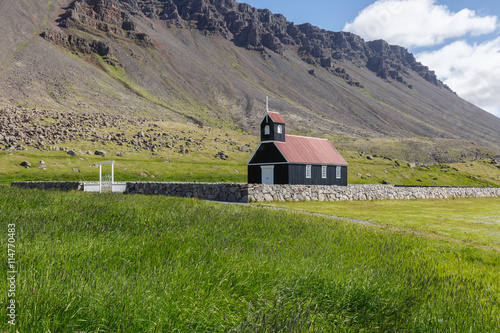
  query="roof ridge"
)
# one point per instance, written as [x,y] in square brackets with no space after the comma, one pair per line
[310,150]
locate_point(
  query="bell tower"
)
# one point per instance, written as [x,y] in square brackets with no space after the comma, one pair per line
[272,126]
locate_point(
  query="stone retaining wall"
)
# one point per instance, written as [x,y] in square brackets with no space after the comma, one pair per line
[262,193]
[235,192]
[61,186]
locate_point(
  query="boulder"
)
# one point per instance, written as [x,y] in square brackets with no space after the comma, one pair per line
[222,155]
[244,149]
[26,164]
[100,153]
[72,153]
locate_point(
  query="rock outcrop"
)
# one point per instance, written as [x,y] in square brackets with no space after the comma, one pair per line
[259,30]
[77,43]
[100,18]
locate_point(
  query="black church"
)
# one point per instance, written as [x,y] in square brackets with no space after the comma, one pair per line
[290,159]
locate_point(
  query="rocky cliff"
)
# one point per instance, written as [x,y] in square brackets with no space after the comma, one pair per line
[254,29]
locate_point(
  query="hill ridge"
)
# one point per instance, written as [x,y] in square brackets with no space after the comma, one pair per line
[246,26]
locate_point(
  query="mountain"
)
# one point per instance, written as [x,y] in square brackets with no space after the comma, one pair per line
[212,62]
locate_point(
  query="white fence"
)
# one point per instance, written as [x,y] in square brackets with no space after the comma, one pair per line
[115,187]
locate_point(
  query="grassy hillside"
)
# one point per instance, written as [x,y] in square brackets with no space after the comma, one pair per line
[372,161]
[362,170]
[204,167]
[90,262]
[151,149]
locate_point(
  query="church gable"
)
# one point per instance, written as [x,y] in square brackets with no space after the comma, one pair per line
[267,153]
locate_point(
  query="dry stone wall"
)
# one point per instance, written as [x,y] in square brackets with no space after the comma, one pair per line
[262,193]
[242,192]
[236,192]
[61,186]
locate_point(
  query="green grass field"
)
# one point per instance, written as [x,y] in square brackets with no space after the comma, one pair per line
[469,221]
[118,263]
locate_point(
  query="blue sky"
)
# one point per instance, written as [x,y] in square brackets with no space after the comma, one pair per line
[458,39]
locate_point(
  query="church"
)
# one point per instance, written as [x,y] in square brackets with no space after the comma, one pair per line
[290,159]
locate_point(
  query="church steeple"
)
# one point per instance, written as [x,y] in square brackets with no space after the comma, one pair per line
[272,126]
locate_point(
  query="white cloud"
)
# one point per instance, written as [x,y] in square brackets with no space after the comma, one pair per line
[473,71]
[416,23]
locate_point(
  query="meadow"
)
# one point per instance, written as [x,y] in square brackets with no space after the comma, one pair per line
[118,263]
[474,221]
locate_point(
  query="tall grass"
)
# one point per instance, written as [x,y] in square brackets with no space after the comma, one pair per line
[117,263]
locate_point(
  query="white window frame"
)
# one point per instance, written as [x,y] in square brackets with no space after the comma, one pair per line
[280,129]
[308,171]
[338,172]
[324,171]
[267,130]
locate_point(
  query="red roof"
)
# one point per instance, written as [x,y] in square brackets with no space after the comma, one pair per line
[302,149]
[276,117]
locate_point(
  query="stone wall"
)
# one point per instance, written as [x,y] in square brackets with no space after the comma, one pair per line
[235,192]
[242,192]
[61,186]
[262,193]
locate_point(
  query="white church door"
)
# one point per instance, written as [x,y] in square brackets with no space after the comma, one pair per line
[268,174]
